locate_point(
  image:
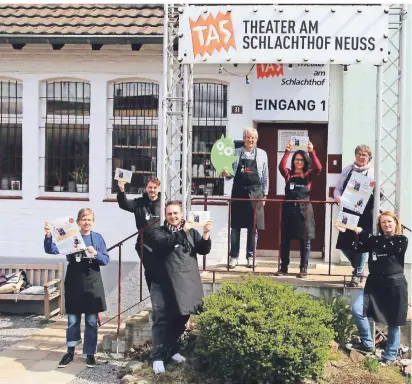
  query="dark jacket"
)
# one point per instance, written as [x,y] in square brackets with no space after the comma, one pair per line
[145,210]
[386,289]
[177,270]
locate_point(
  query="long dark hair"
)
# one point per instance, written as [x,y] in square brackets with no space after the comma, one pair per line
[306,161]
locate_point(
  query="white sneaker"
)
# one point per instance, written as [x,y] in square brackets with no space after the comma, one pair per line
[158,367]
[233,262]
[178,358]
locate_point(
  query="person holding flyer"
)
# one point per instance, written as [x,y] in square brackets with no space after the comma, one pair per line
[385,296]
[83,287]
[298,221]
[363,156]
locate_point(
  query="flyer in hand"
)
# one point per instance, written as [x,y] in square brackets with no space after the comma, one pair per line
[347,220]
[123,175]
[299,143]
[357,192]
[66,235]
[198,218]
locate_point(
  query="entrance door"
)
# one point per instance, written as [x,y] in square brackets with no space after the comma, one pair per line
[268,141]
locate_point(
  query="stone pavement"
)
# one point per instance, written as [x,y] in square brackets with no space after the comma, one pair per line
[34,360]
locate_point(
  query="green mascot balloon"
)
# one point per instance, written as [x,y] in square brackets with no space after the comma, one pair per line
[222,155]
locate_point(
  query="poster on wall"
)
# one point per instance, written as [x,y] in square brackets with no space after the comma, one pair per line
[289,34]
[291,93]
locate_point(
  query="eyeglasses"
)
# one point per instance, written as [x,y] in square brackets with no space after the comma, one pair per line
[299,160]
[362,155]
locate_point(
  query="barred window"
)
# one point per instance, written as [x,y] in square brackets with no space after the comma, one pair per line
[134,132]
[209,124]
[11,114]
[66,131]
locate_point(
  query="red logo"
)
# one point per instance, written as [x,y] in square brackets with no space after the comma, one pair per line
[372,184]
[269,70]
[212,33]
[71,221]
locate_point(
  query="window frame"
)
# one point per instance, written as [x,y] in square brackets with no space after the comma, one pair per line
[14,119]
[210,122]
[113,120]
[59,120]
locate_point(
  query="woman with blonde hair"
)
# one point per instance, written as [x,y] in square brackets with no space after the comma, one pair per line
[83,287]
[385,297]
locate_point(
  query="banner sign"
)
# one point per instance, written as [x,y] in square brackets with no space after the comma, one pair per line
[299,92]
[346,34]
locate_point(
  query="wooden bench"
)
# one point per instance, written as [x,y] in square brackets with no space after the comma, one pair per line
[39,275]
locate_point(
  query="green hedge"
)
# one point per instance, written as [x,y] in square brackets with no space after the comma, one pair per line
[259,331]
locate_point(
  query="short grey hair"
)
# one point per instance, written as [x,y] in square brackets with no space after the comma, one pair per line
[365,148]
[252,131]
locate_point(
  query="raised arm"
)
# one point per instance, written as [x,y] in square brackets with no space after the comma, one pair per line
[49,246]
[102,256]
[124,203]
[316,167]
[284,171]
[203,244]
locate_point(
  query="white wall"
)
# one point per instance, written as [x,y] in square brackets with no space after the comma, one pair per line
[351,96]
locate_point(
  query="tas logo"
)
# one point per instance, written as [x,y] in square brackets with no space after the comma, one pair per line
[212,33]
[269,70]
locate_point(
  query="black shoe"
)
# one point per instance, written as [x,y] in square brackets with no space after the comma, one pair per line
[66,360]
[302,274]
[90,361]
[281,272]
[359,347]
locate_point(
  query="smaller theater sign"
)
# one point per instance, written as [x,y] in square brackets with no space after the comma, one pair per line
[346,34]
[298,92]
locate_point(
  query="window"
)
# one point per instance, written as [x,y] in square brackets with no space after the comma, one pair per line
[11,111]
[66,113]
[209,124]
[134,131]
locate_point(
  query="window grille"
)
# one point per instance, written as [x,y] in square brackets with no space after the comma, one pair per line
[209,124]
[11,114]
[66,128]
[134,132]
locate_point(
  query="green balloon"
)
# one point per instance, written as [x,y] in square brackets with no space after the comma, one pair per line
[222,155]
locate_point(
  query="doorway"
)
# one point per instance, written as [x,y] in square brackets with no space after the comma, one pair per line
[270,140]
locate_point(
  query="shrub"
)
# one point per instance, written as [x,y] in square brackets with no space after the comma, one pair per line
[343,323]
[259,331]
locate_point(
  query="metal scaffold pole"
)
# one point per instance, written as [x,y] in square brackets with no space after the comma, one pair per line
[176,130]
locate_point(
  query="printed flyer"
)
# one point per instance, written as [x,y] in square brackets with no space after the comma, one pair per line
[347,220]
[66,235]
[357,192]
[198,218]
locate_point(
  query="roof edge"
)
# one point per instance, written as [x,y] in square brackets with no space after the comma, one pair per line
[81,39]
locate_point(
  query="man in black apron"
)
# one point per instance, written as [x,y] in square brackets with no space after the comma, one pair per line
[250,182]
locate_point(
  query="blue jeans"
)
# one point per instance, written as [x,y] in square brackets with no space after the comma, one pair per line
[285,252]
[356,259]
[90,332]
[235,242]
[362,322]
[166,329]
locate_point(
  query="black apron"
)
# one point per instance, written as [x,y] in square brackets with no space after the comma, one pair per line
[298,220]
[83,285]
[246,185]
[346,239]
[386,288]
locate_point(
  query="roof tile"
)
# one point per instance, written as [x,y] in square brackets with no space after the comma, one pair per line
[81,19]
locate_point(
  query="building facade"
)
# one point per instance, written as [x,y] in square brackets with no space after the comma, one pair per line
[72,112]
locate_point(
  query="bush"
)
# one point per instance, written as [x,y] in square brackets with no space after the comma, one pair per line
[259,331]
[343,322]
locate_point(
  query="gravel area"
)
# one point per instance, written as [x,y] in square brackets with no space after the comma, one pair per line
[106,372]
[14,328]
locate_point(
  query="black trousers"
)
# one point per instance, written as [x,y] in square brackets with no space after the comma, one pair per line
[146,273]
[166,330]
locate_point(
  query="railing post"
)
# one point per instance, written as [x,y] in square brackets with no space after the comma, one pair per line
[119,291]
[205,209]
[280,234]
[141,265]
[228,233]
[255,203]
[330,239]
